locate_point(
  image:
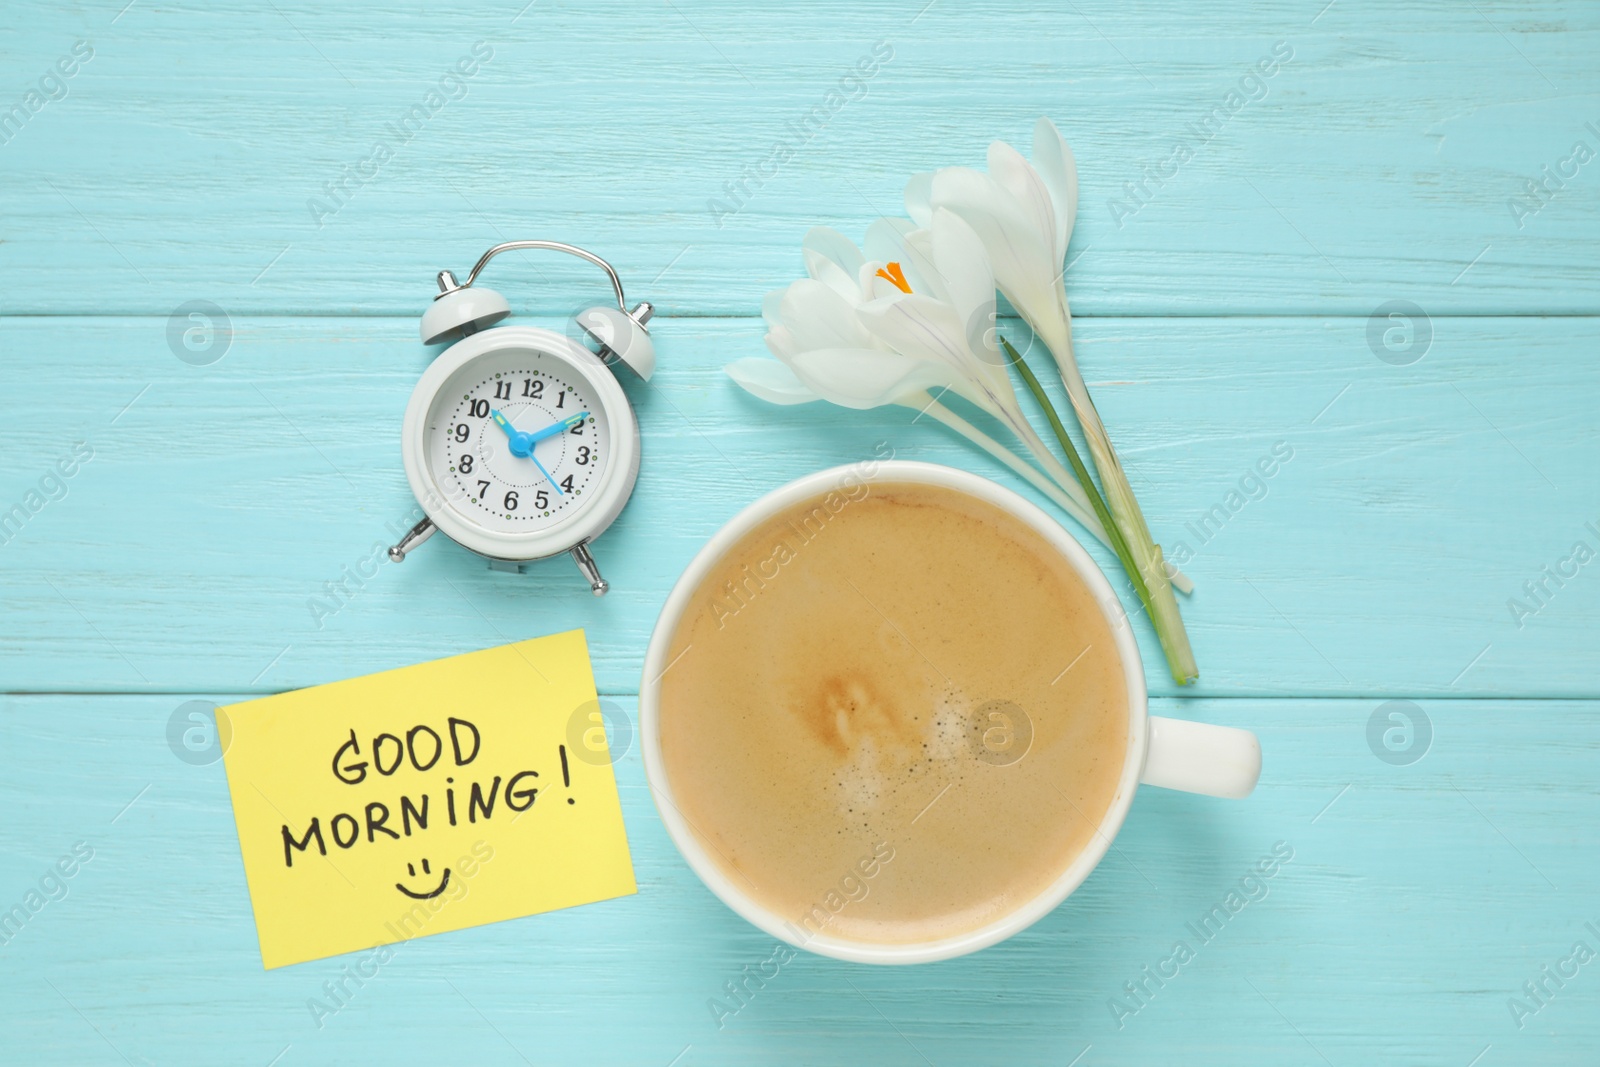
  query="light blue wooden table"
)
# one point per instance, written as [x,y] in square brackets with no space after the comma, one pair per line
[225,153]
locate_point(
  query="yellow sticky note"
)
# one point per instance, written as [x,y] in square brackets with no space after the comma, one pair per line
[430,798]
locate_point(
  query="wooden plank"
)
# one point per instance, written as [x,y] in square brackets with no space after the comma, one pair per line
[192,552]
[1418,901]
[228,152]
[231,152]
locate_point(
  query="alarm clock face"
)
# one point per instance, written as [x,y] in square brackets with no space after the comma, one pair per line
[520,444]
[472,430]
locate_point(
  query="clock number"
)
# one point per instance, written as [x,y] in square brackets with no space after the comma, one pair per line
[578,429]
[463,431]
[480,409]
[533,387]
[464,464]
[511,501]
[582,459]
[566,483]
[483,488]
[502,391]
[561,399]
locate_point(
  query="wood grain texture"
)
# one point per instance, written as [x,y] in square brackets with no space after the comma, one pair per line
[1418,900]
[1377,163]
[1379,558]
[223,152]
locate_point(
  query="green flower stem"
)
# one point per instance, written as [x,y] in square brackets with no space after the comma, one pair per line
[1163,605]
[937,411]
[1130,520]
[1116,541]
[1141,559]
[1147,554]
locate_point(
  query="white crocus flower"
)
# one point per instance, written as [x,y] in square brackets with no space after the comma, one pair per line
[1023,214]
[861,334]
[941,309]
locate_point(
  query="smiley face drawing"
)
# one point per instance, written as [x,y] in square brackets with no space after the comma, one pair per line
[430,894]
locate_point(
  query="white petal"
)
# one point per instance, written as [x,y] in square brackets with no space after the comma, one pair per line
[820,268]
[927,329]
[769,380]
[963,266]
[881,288]
[919,191]
[875,286]
[896,240]
[866,378]
[1052,157]
[886,239]
[833,245]
[769,306]
[1016,176]
[780,342]
[816,316]
[918,326]
[900,241]
[1018,252]
[922,270]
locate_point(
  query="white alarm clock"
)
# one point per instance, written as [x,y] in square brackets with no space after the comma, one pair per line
[518,442]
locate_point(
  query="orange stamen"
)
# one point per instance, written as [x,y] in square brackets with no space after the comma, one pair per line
[891,273]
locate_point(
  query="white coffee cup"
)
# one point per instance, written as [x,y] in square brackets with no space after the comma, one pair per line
[1172,753]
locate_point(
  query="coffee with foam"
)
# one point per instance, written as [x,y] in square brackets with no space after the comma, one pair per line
[893,713]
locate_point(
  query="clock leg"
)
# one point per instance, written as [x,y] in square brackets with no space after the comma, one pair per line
[414,537]
[586,564]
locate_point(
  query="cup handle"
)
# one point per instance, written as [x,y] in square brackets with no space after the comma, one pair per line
[1196,757]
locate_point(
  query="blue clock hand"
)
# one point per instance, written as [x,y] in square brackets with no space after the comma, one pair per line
[557,427]
[520,444]
[504,423]
[546,474]
[548,432]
